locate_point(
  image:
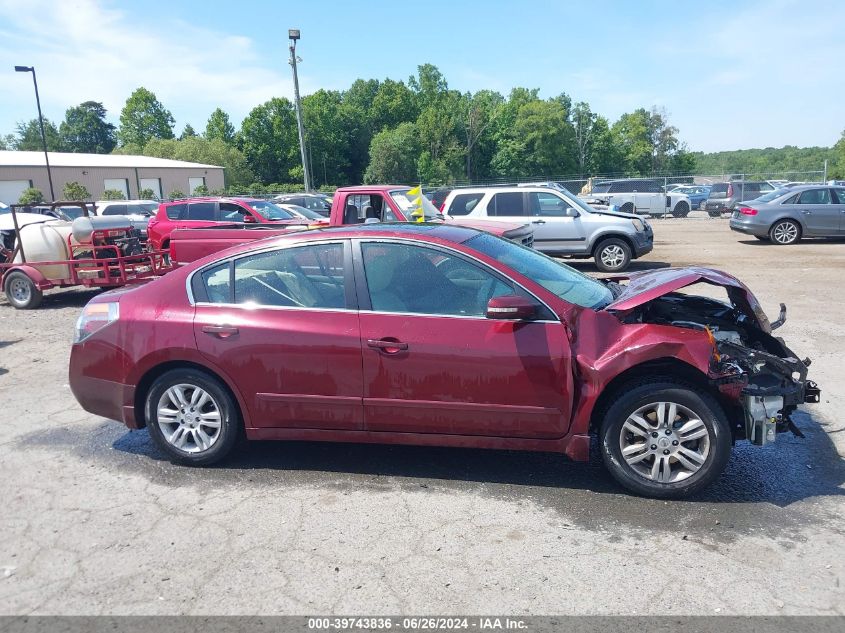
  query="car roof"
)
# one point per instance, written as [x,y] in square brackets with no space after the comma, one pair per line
[365,188]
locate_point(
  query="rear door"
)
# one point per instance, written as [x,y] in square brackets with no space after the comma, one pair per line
[839,195]
[284,325]
[199,214]
[554,232]
[818,211]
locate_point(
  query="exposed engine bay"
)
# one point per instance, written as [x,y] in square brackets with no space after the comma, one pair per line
[753,370]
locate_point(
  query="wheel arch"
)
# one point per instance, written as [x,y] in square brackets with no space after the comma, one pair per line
[153,373]
[672,369]
[802,228]
[598,239]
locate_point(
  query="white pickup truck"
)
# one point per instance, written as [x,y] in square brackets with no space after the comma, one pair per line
[641,196]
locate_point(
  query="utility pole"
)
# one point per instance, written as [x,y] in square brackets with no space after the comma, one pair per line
[31,69]
[293,34]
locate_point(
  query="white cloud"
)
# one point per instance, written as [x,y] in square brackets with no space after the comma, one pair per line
[86,50]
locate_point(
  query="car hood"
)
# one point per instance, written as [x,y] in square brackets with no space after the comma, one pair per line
[490,226]
[649,285]
[616,214]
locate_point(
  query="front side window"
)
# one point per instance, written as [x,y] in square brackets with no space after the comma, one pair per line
[814,196]
[840,195]
[309,276]
[546,205]
[406,278]
[559,279]
[269,211]
[231,212]
[407,205]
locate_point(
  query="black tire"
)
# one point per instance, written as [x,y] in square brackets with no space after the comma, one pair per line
[681,210]
[785,232]
[612,255]
[642,394]
[229,416]
[21,291]
[628,207]
[714,213]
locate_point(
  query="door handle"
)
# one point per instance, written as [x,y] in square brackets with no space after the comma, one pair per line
[806,212]
[538,222]
[220,331]
[387,346]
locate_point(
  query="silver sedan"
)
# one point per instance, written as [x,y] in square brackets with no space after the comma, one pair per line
[784,216]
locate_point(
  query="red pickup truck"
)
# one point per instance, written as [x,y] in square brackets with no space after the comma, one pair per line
[350,205]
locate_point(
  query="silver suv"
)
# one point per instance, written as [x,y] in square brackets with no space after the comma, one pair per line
[564,226]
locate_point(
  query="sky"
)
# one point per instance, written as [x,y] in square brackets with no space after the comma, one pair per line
[730,74]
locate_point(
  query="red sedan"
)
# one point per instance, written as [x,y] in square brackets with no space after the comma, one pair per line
[438,334]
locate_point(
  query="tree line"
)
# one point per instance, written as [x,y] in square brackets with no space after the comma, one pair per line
[407,132]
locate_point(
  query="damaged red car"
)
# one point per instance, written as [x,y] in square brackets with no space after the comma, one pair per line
[437,334]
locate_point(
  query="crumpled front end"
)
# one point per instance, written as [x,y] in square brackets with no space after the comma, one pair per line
[760,380]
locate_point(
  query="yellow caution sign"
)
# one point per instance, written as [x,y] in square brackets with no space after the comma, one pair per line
[415,196]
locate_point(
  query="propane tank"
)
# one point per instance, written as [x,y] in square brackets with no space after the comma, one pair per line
[84,227]
[46,242]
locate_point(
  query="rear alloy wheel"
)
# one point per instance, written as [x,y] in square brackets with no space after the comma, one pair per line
[192,417]
[681,210]
[612,255]
[21,291]
[666,440]
[785,232]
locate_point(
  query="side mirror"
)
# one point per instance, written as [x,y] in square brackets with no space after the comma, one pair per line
[572,213]
[249,219]
[511,308]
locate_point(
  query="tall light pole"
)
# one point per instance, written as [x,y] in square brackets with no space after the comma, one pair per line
[31,69]
[293,34]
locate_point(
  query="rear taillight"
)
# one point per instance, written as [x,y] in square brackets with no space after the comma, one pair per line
[730,190]
[747,211]
[94,317]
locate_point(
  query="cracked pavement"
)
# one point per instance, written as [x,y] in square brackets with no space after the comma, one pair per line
[94,520]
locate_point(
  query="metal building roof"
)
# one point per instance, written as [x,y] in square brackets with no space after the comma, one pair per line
[67,159]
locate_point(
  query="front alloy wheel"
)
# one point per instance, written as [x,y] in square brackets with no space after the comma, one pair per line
[785,232]
[612,255]
[664,439]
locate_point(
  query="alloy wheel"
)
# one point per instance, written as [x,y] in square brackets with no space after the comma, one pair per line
[612,256]
[664,442]
[785,233]
[189,418]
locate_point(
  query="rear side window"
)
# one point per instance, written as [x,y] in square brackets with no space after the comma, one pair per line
[719,189]
[814,196]
[217,283]
[175,211]
[839,194]
[507,204]
[201,211]
[464,203]
[301,277]
[115,209]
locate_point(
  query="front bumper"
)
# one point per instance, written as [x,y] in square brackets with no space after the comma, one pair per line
[643,242]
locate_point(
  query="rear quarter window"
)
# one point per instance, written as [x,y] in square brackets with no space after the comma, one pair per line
[175,211]
[464,203]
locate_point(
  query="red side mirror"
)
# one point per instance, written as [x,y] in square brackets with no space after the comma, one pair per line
[249,219]
[512,308]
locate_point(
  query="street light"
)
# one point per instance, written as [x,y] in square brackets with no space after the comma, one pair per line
[293,34]
[31,69]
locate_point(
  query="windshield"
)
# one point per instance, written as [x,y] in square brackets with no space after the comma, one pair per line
[268,210]
[309,214]
[560,279]
[72,212]
[406,205]
[768,197]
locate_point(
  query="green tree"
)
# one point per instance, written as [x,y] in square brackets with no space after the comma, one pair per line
[540,143]
[392,104]
[327,135]
[219,127]
[200,190]
[176,194]
[196,149]
[113,194]
[187,132]
[31,195]
[86,130]
[269,140]
[837,169]
[147,194]
[75,191]
[8,142]
[479,112]
[584,127]
[29,136]
[144,118]
[393,155]
[358,112]
[647,141]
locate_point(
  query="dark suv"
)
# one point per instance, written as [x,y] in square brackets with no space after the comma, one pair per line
[724,194]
